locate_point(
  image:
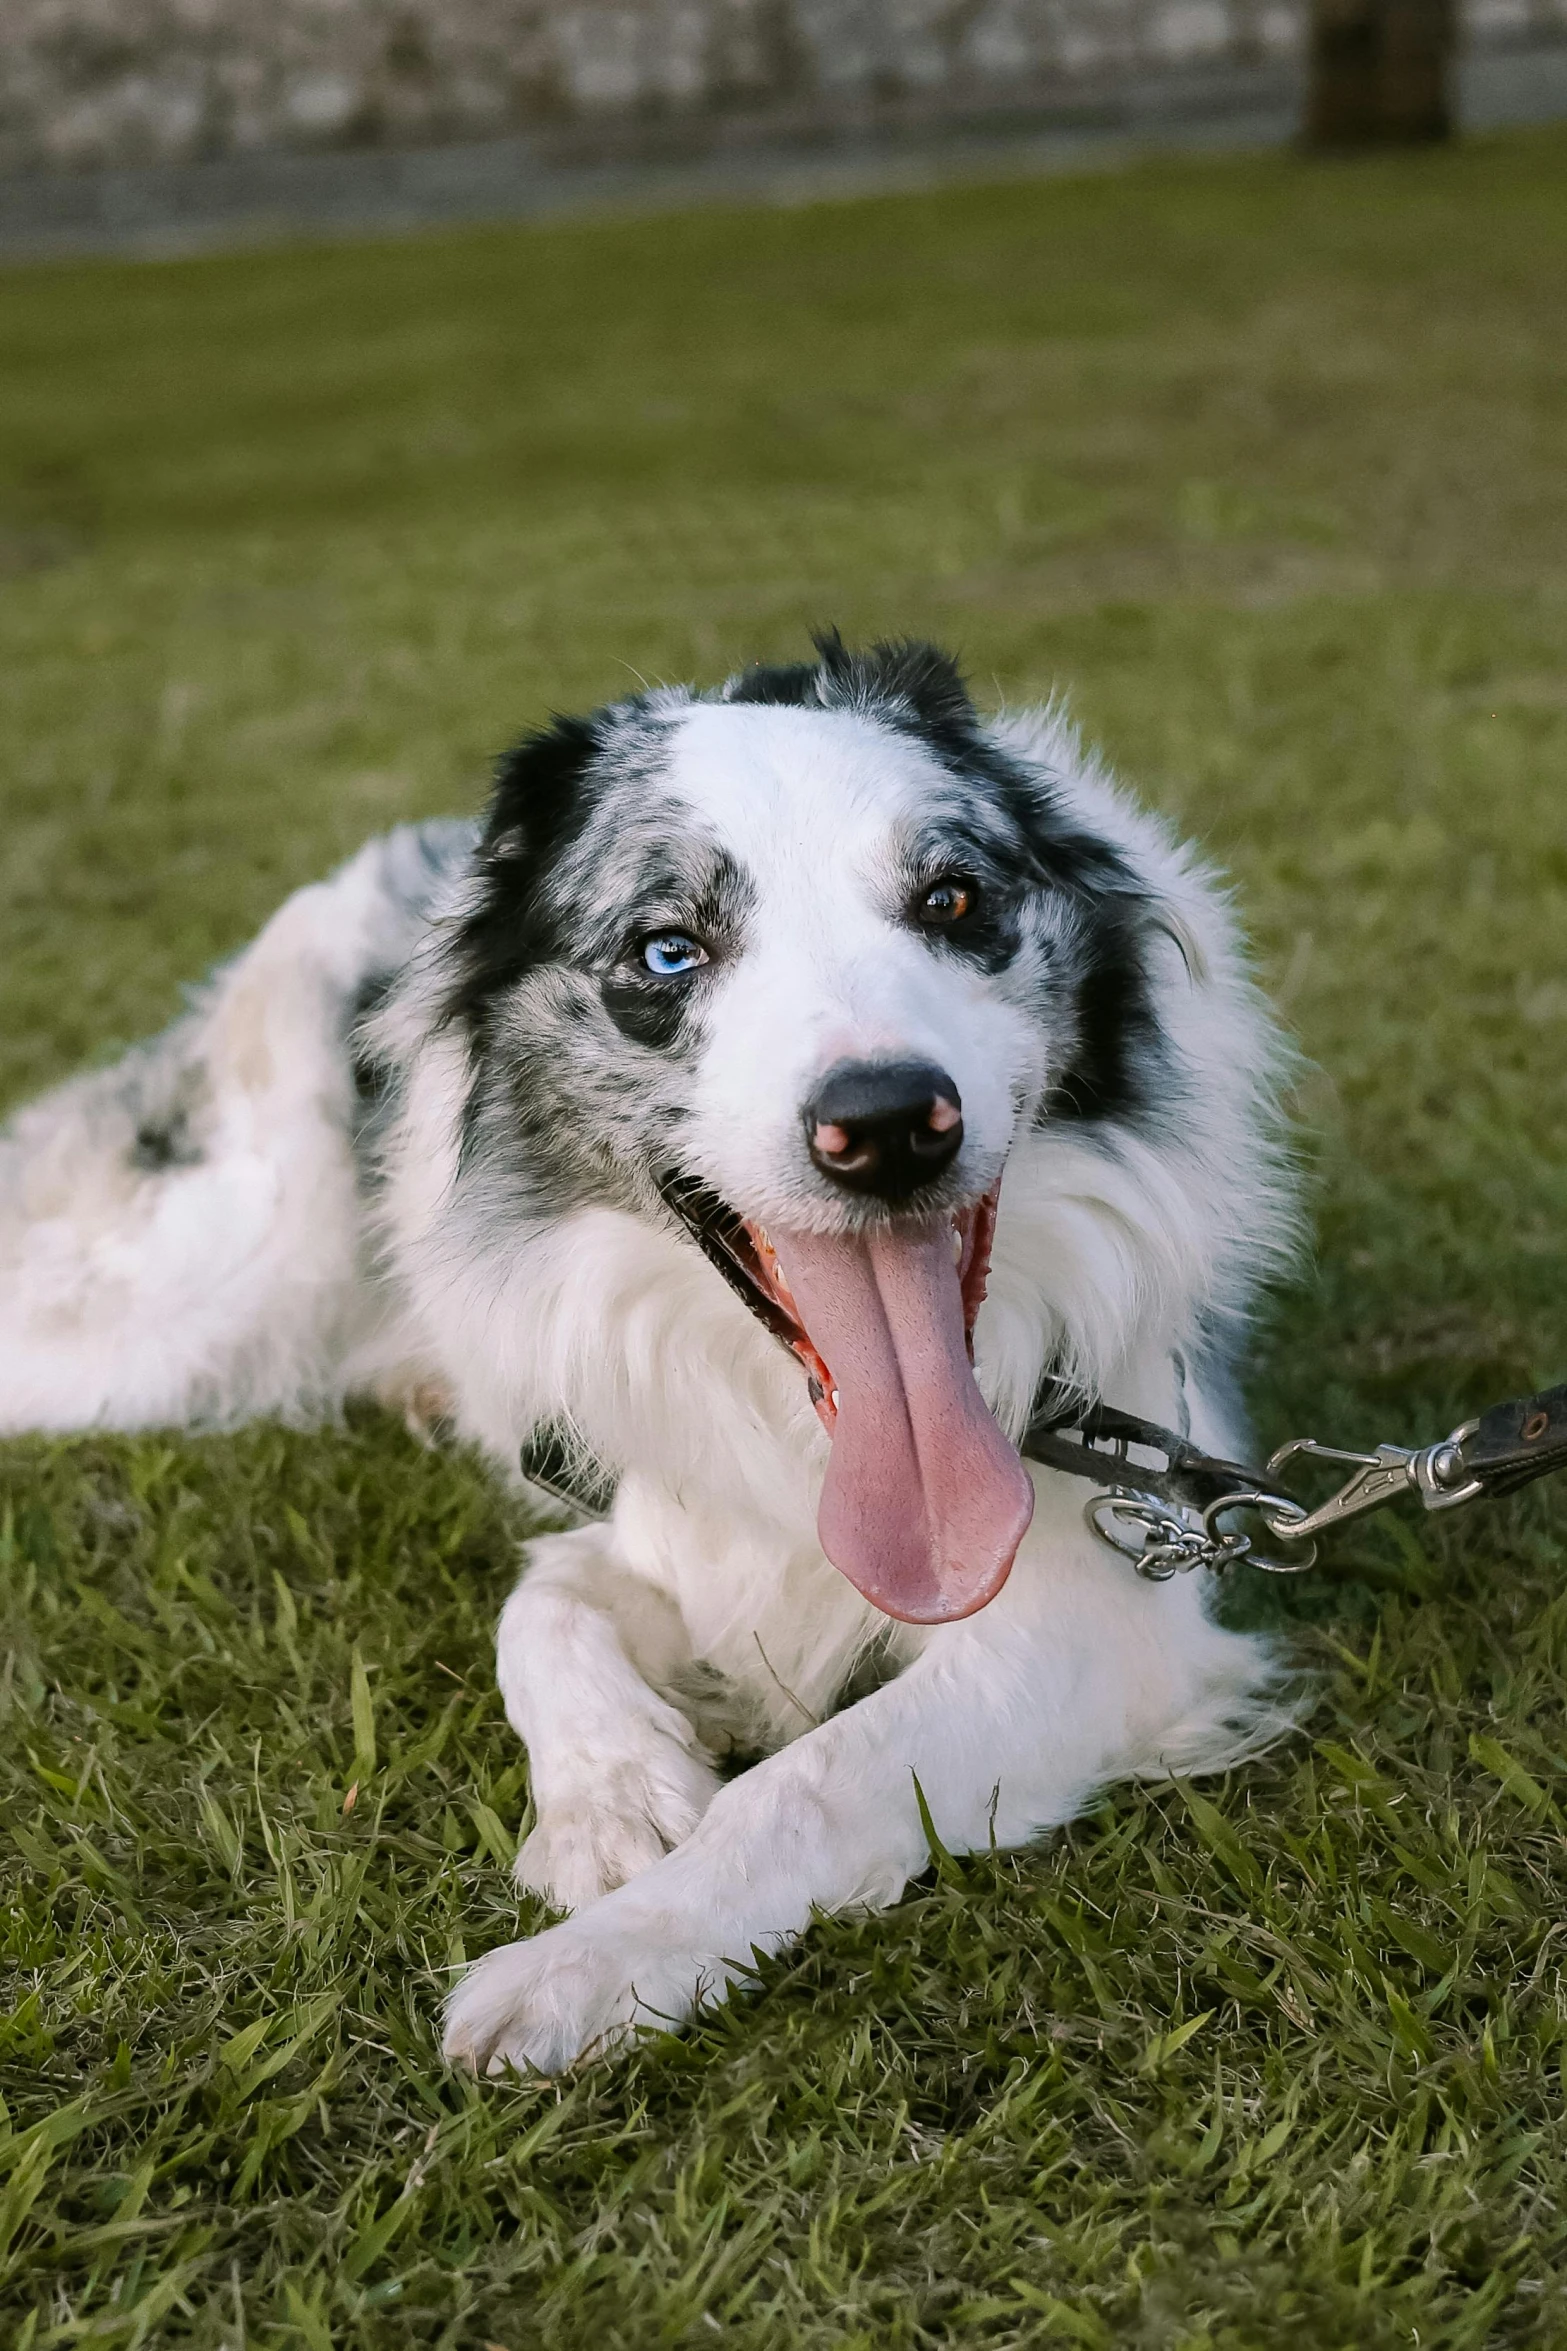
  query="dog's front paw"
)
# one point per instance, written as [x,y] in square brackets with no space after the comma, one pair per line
[583,1989]
[638,1810]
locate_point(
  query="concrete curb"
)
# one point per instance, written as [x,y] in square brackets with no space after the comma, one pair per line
[166,210]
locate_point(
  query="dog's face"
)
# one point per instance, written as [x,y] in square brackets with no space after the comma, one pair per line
[798,965]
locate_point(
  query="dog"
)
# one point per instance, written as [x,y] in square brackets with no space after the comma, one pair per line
[773,1092]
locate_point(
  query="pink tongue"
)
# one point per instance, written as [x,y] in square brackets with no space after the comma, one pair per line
[925,1502]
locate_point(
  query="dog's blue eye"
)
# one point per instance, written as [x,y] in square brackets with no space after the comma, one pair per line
[671,953]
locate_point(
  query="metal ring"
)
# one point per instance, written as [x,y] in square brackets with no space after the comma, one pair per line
[1156,1517]
[1279,1513]
[1174,1544]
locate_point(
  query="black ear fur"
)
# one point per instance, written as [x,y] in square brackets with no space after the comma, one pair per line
[791,685]
[538,787]
[896,672]
[540,797]
[903,679]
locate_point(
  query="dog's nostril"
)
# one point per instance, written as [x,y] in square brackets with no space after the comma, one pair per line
[930,1133]
[884,1127]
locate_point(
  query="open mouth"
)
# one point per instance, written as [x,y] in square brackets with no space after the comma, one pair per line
[925,1502]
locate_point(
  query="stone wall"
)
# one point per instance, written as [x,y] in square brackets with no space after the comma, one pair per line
[89,83]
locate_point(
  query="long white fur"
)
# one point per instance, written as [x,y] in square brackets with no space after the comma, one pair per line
[703,1613]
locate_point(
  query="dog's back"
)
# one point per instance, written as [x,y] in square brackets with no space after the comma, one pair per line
[182,1236]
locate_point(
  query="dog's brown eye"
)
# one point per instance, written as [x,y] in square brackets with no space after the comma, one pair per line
[946,902]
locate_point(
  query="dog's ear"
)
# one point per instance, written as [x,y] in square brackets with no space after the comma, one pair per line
[905,676]
[538,789]
[541,785]
[792,684]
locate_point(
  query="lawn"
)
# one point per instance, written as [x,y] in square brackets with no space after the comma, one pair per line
[1267,464]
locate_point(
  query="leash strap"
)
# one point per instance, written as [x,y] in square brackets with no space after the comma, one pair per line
[1097,1442]
[1513,1444]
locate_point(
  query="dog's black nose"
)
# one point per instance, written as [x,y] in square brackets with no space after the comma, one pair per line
[884,1127]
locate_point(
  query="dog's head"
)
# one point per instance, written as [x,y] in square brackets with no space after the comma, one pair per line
[796,964]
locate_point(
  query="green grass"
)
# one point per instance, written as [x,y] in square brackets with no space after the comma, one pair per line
[1267,463]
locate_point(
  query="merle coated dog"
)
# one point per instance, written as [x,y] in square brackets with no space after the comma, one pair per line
[772,1091]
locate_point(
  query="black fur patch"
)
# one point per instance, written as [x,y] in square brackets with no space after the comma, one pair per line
[987,858]
[546,793]
[791,685]
[1120,1065]
[543,793]
[163,1143]
[651,1011]
[902,681]
[582,859]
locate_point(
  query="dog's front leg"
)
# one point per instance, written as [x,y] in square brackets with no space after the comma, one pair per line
[831,1821]
[1006,1723]
[616,1771]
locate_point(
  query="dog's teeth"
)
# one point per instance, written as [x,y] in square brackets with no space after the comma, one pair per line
[957,1246]
[835,1399]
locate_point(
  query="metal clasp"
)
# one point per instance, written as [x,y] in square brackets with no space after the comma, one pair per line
[1434,1472]
[1439,1471]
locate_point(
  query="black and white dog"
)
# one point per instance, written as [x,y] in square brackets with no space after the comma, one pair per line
[910,1026]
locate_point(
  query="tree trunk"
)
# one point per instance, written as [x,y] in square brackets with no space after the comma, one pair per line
[1379,73]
